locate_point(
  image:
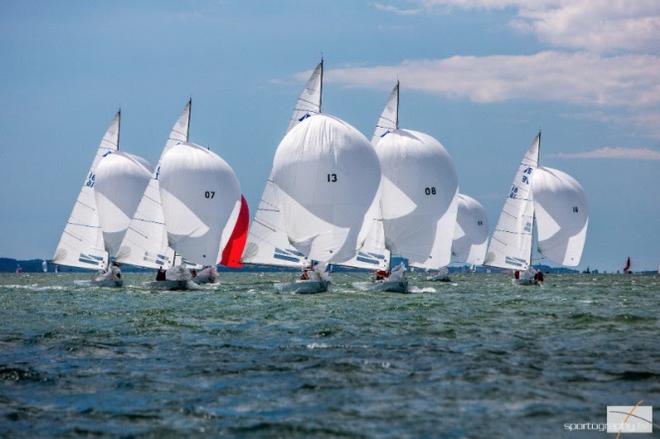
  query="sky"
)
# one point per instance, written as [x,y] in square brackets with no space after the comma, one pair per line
[481,76]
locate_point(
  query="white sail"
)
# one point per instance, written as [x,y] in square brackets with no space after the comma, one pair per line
[268,243]
[145,242]
[562,215]
[121,179]
[309,101]
[389,118]
[81,244]
[200,194]
[327,174]
[511,243]
[418,197]
[471,233]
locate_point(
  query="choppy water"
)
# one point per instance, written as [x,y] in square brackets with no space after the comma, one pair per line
[477,358]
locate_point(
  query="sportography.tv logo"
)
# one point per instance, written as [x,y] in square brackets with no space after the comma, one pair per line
[629,419]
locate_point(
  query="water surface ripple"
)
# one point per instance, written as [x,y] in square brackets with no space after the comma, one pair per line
[475,358]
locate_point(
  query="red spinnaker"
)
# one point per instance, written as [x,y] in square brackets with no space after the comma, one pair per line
[231,254]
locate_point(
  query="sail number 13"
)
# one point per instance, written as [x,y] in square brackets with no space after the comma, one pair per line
[332,178]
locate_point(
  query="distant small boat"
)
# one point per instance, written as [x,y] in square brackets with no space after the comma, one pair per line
[627,268]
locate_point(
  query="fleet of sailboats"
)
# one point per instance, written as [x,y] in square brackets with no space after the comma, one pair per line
[333,198]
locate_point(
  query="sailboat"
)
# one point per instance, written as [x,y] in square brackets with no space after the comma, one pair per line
[321,187]
[417,198]
[470,236]
[191,215]
[627,268]
[545,199]
[102,212]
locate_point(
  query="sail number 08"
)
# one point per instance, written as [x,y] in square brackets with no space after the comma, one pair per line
[430,190]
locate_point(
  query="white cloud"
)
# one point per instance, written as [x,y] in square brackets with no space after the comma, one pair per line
[594,25]
[614,153]
[630,81]
[397,10]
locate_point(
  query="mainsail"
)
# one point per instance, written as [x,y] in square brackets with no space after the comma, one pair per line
[145,242]
[471,233]
[562,216]
[200,194]
[511,243]
[389,118]
[309,101]
[121,179]
[82,244]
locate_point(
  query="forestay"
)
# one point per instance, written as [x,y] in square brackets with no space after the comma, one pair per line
[81,244]
[561,215]
[511,243]
[145,242]
[327,174]
[201,198]
[471,233]
[418,197]
[121,179]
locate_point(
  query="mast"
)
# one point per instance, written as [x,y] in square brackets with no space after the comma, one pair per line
[538,159]
[396,124]
[189,113]
[118,126]
[321,92]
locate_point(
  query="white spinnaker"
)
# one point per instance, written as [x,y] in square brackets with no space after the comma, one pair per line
[199,193]
[267,242]
[328,175]
[389,118]
[121,179]
[309,101]
[511,243]
[418,198]
[145,242]
[562,215]
[81,244]
[471,233]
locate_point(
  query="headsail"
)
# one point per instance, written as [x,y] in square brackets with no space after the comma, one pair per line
[121,179]
[471,233]
[199,193]
[511,243]
[389,118]
[145,242]
[81,244]
[418,197]
[562,215]
[309,101]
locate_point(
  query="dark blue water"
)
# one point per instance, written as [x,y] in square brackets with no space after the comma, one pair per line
[478,358]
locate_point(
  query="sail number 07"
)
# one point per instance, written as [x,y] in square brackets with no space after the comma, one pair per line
[209,194]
